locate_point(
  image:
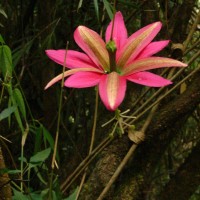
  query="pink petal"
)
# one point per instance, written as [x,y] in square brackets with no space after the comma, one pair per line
[112,89]
[153,48]
[70,72]
[148,79]
[119,32]
[73,59]
[83,80]
[93,45]
[136,43]
[151,63]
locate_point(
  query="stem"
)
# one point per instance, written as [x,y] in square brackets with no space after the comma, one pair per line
[57,129]
[92,141]
[84,164]
[192,30]
[21,167]
[113,21]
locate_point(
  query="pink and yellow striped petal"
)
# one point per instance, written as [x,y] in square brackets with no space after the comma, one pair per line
[83,79]
[71,59]
[119,34]
[70,72]
[93,45]
[136,43]
[151,63]
[112,88]
[152,48]
[148,79]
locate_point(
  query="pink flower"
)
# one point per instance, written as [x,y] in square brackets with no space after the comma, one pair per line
[109,65]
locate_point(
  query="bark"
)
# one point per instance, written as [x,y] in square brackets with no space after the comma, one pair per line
[5,188]
[186,180]
[104,169]
[179,21]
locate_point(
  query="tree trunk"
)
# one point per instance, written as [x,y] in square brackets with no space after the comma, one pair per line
[186,180]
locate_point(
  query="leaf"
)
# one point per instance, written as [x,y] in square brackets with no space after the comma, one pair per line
[9,171]
[24,135]
[20,51]
[7,112]
[14,171]
[79,4]
[35,196]
[48,137]
[40,156]
[20,101]
[45,194]
[38,138]
[19,196]
[50,140]
[6,61]
[136,136]
[2,40]
[108,9]
[3,13]
[96,6]
[23,158]
[17,115]
[73,195]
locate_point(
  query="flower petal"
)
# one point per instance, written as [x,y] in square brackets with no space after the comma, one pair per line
[151,63]
[112,89]
[70,72]
[136,43]
[148,79]
[93,45]
[119,34]
[153,48]
[74,59]
[83,80]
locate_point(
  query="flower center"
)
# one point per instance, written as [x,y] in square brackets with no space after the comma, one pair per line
[111,47]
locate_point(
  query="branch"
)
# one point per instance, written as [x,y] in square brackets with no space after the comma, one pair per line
[186,180]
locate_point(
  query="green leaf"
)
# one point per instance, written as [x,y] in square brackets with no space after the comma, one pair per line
[20,101]
[35,196]
[7,112]
[48,137]
[17,115]
[24,159]
[3,13]
[18,52]
[9,171]
[73,195]
[96,6]
[19,196]
[38,138]
[108,9]
[14,171]
[1,40]
[80,4]
[6,62]
[50,140]
[40,156]
[45,194]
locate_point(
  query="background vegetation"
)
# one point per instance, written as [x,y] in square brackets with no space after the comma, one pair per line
[165,166]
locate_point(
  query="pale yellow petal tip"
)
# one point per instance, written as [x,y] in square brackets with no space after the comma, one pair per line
[47,86]
[184,65]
